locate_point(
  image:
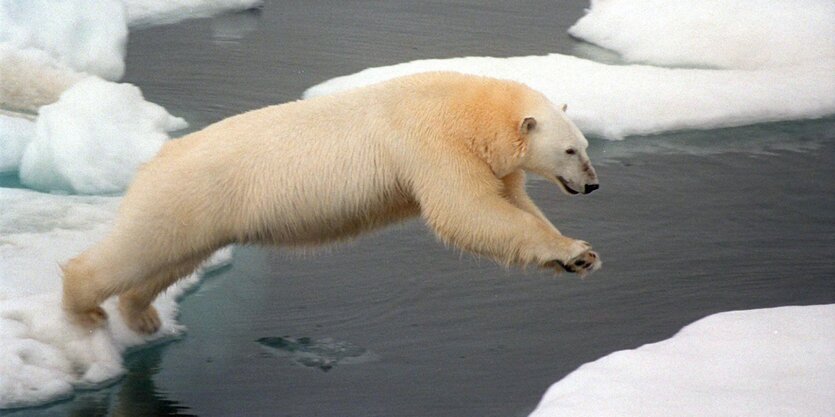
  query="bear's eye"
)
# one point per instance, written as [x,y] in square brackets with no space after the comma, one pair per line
[570,151]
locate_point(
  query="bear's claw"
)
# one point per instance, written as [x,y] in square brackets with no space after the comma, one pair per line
[583,264]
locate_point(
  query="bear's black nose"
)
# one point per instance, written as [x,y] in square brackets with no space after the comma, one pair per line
[591,187]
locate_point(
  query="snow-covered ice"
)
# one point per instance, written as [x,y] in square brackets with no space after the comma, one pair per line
[15,135]
[774,362]
[718,33]
[42,356]
[782,55]
[84,35]
[30,78]
[94,138]
[89,136]
[91,37]
[41,230]
[613,101]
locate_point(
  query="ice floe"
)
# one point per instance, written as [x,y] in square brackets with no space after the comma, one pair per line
[90,140]
[84,35]
[91,37]
[781,55]
[758,363]
[614,101]
[43,357]
[88,137]
[719,33]
[93,139]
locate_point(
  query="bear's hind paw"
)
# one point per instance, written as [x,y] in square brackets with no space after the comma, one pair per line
[89,319]
[146,321]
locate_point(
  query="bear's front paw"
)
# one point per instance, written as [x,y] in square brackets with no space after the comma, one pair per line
[582,262]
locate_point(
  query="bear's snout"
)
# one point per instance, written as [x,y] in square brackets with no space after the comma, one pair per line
[590,188]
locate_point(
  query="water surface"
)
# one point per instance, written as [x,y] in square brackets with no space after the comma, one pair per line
[687,223]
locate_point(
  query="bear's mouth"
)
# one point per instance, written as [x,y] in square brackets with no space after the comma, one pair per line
[565,186]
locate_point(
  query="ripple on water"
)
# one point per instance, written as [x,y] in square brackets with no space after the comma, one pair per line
[322,353]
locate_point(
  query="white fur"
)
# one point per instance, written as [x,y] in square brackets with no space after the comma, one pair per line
[449,147]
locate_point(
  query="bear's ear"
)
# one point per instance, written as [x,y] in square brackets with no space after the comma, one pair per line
[528,124]
[564,107]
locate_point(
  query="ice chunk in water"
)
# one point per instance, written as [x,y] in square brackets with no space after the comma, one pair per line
[94,138]
[84,35]
[43,357]
[719,33]
[614,101]
[757,363]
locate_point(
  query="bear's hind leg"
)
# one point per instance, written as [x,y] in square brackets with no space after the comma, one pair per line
[85,286]
[135,303]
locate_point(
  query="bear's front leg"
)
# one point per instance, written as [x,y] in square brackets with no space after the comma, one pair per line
[469,211]
[582,259]
[514,192]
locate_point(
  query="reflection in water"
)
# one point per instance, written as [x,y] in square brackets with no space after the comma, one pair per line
[233,27]
[134,396]
[138,395]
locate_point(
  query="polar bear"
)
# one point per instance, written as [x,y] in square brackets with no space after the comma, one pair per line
[449,147]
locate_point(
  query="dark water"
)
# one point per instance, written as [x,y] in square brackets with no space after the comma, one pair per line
[688,224]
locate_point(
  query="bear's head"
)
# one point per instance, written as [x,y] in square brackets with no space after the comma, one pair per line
[556,150]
